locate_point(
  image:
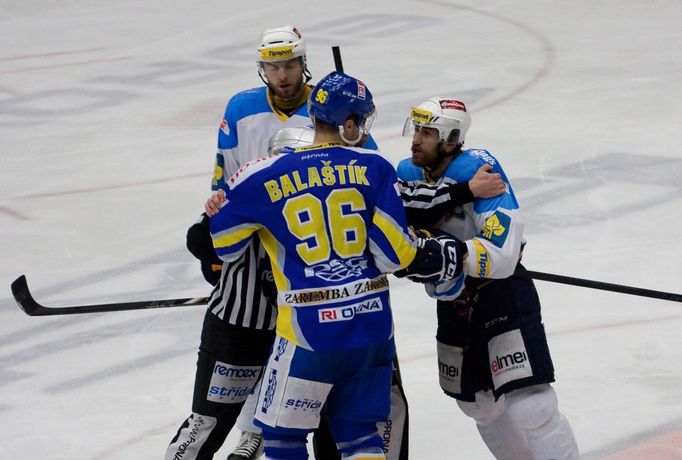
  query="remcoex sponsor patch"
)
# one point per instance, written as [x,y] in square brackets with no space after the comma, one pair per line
[230,384]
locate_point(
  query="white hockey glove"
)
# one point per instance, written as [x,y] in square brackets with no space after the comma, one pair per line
[445,290]
[438,258]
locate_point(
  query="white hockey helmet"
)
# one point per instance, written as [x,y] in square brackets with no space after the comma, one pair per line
[281,43]
[291,137]
[449,116]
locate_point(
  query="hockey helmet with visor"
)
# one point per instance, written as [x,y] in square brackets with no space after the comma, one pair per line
[449,116]
[338,97]
[281,43]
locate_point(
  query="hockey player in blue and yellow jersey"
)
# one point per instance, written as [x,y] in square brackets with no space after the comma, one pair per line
[238,328]
[493,355]
[332,222]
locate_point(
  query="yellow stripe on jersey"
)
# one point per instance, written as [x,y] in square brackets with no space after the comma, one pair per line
[285,324]
[234,235]
[482,259]
[400,242]
[276,254]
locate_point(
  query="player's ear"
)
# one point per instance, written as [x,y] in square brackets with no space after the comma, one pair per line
[349,125]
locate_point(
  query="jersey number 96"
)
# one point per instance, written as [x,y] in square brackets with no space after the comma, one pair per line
[346,233]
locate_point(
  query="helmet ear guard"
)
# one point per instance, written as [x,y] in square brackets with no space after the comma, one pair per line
[453,137]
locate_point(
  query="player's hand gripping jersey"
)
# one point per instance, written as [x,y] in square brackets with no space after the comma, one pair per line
[492,228]
[332,223]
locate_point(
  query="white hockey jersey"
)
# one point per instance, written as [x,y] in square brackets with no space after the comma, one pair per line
[250,120]
[492,228]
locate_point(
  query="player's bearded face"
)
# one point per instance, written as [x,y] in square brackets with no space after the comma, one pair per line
[425,146]
[285,78]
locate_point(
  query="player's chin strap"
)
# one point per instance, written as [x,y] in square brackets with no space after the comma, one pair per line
[351,142]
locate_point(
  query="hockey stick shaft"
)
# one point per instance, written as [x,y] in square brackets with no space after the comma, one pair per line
[31,307]
[338,63]
[631,290]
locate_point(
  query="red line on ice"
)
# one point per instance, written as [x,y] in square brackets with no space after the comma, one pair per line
[665,447]
[13,213]
[109,187]
[43,55]
[68,64]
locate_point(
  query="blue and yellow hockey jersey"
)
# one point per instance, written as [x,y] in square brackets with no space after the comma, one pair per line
[331,220]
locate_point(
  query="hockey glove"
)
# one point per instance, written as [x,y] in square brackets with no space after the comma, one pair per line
[438,258]
[200,244]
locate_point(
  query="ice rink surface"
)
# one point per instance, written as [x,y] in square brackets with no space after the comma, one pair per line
[108,120]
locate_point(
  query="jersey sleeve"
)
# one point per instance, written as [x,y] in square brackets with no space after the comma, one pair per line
[233,228]
[494,251]
[389,240]
[228,143]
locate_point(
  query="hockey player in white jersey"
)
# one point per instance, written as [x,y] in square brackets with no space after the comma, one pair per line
[492,349]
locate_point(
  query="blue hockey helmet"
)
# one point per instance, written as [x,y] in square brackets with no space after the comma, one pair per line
[337,97]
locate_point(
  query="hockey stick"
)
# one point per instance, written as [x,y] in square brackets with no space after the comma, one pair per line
[337,59]
[31,307]
[552,278]
[27,303]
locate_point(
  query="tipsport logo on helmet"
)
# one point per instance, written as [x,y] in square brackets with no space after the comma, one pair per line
[277,53]
[421,116]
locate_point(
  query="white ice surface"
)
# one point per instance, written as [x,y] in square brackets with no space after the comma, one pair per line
[108,119]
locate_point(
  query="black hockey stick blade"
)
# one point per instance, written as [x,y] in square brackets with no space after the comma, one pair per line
[631,290]
[26,302]
[338,63]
